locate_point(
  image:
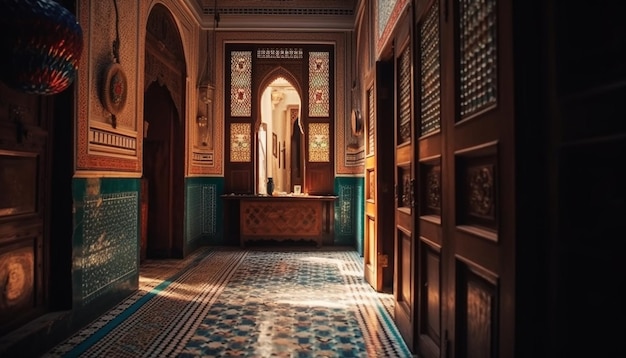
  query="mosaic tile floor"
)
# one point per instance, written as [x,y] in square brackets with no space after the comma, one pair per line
[227,302]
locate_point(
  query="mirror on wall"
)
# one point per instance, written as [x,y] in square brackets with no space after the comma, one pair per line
[280,139]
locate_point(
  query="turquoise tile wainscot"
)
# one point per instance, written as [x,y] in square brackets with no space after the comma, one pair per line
[105,242]
[204,212]
[349,211]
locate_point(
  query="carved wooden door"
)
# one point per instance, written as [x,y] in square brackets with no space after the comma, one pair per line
[404,228]
[428,163]
[378,245]
[467,265]
[24,165]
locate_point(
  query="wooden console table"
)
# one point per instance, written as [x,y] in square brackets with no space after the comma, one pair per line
[288,217]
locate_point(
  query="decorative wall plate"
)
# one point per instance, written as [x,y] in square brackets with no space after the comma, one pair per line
[114,89]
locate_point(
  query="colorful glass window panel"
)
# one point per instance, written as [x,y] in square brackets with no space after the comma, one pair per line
[319,142]
[319,75]
[240,144]
[241,83]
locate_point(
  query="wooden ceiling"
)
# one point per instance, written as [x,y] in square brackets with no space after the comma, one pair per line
[276,15]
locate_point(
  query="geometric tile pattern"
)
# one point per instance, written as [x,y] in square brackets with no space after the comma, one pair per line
[109,222]
[209,200]
[201,211]
[194,212]
[172,299]
[345,212]
[257,302]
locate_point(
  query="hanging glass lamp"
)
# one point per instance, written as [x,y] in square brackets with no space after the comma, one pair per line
[42,43]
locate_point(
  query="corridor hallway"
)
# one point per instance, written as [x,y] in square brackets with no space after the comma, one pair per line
[254,302]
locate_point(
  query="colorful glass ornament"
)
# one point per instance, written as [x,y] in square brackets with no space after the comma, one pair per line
[42,43]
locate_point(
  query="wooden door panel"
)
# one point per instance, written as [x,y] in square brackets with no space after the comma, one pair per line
[369,254]
[429,176]
[478,178]
[405,170]
[21,280]
[319,179]
[430,231]
[477,130]
[369,246]
[24,141]
[405,291]
[431,242]
[477,311]
[379,179]
[429,334]
[240,180]
[430,146]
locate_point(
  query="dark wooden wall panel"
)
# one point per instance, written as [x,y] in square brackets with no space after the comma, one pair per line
[431,295]
[239,181]
[477,312]
[319,180]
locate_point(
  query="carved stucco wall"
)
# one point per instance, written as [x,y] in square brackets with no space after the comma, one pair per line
[102,149]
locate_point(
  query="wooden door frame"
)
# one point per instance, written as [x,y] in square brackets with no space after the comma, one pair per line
[405,223]
[379,247]
[478,256]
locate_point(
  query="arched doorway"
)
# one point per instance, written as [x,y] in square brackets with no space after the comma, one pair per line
[279,152]
[164,139]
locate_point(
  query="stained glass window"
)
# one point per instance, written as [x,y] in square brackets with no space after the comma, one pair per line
[240,145]
[319,84]
[319,142]
[241,83]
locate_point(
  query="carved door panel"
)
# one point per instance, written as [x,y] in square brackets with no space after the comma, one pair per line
[405,247]
[23,193]
[478,160]
[372,273]
[429,238]
[378,245]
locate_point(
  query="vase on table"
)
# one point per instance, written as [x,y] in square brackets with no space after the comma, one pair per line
[270,186]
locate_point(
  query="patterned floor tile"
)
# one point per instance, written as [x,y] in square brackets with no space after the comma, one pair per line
[278,302]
